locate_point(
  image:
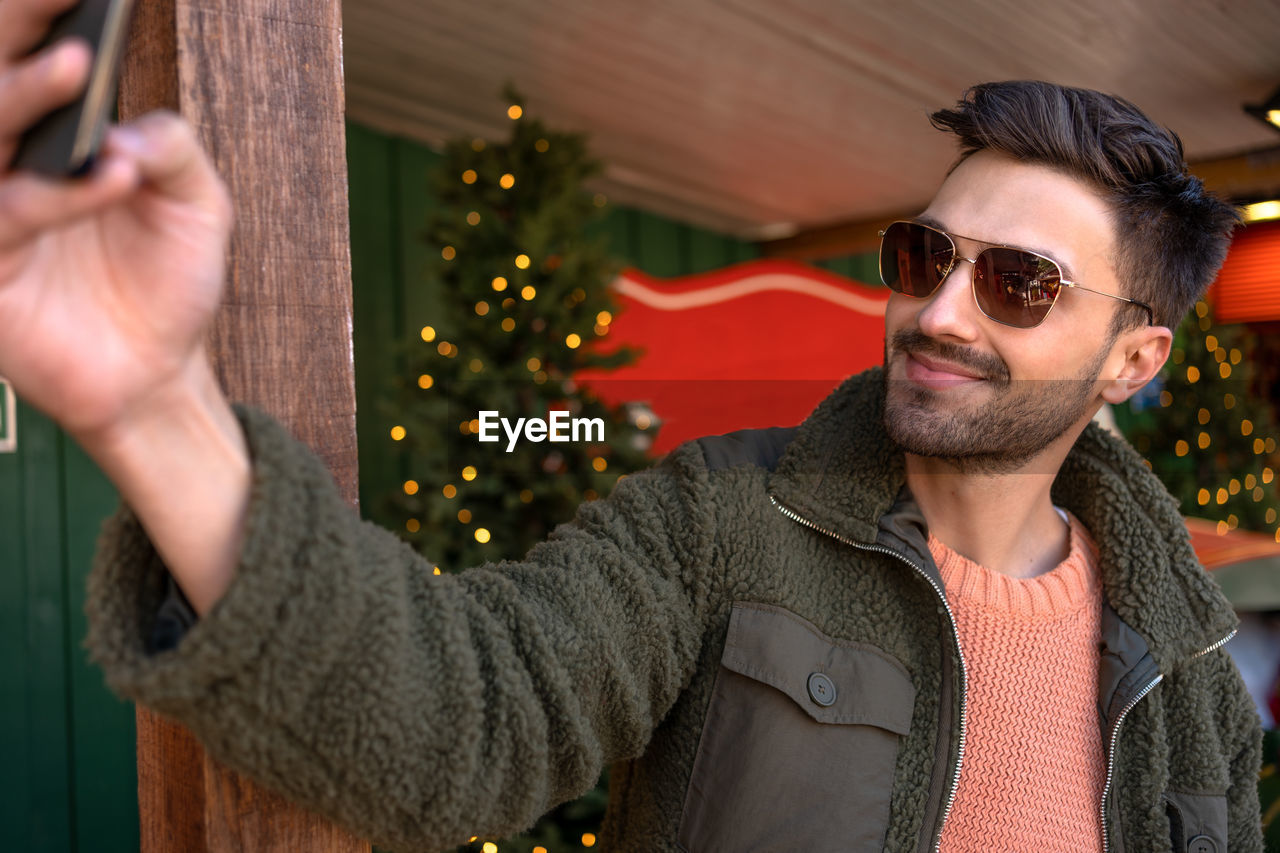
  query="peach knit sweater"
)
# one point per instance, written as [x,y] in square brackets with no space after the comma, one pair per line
[1034,766]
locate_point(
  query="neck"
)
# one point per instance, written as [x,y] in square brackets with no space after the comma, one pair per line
[1004,521]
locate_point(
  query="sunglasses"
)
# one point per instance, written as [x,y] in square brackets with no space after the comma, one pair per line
[1011,286]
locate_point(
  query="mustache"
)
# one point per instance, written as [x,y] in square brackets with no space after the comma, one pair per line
[989,367]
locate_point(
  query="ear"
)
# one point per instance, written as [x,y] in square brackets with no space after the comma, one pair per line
[1144,351]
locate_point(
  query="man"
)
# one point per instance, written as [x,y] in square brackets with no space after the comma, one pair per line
[940,614]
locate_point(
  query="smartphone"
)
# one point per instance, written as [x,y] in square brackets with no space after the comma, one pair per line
[65,142]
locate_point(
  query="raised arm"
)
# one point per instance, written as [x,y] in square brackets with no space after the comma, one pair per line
[107,285]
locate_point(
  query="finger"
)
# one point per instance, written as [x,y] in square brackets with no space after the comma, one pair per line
[31,204]
[36,87]
[169,157]
[24,24]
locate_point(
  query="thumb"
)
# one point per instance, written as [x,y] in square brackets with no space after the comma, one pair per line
[168,155]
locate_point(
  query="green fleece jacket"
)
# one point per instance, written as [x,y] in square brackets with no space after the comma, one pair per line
[752,633]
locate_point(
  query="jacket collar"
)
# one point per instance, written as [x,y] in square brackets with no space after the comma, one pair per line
[842,473]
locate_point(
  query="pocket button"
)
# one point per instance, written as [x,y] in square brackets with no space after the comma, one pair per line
[822,689]
[1202,844]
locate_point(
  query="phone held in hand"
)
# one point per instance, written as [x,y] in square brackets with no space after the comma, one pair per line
[65,142]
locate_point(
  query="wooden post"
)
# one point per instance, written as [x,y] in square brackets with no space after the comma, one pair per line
[261,82]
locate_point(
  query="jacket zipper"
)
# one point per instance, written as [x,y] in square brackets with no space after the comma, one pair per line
[955,776]
[1115,734]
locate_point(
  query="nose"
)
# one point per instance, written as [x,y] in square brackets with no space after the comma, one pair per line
[951,312]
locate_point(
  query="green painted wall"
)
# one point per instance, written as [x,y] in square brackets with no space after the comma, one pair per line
[66,744]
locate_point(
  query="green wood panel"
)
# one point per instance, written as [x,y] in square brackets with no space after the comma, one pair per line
[660,245]
[377,308]
[46,737]
[15,792]
[616,228]
[103,734]
[707,250]
[414,202]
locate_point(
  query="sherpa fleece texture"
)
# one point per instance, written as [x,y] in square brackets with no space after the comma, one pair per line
[419,710]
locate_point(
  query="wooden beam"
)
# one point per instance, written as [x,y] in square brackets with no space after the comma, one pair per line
[261,82]
[1243,178]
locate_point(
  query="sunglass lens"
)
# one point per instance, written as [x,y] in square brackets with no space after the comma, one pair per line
[1015,288]
[913,258]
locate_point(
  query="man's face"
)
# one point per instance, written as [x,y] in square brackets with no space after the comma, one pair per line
[989,397]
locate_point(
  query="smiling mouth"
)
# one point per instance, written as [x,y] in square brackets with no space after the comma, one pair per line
[938,374]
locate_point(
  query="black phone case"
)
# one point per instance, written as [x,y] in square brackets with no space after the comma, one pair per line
[65,142]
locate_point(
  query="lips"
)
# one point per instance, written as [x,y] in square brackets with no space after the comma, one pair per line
[936,373]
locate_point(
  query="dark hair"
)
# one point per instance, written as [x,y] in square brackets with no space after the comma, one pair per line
[1171,234]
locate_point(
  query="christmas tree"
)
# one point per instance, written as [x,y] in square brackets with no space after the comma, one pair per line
[1206,429]
[525,305]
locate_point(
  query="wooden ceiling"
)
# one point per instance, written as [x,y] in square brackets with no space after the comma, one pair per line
[763,117]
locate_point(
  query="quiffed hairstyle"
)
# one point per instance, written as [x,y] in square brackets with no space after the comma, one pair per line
[1171,234]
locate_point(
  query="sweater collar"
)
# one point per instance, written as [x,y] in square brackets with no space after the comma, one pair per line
[843,474]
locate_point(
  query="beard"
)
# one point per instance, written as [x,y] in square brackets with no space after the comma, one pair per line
[1015,422]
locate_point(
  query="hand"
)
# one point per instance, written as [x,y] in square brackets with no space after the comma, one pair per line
[107,282]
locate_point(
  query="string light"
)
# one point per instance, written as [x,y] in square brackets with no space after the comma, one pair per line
[1229,402]
[1271,516]
[489,846]
[1222,528]
[435,570]
[425,381]
[1234,486]
[508,324]
[474,425]
[1259,446]
[1222,496]
[522,261]
[507,181]
[469,176]
[428,334]
[539,849]
[604,318]
[1202,497]
[513,112]
[1181,448]
[449,491]
[541,146]
[469,473]
[410,487]
[1166,399]
[508,304]
[573,341]
[465,427]
[540,377]
[1250,481]
[499,283]
[534,364]
[1202,440]
[482,535]
[1258,494]
[482,308]
[1224,370]
[528,292]
[1193,374]
[476,365]
[1203,416]
[448,253]
[599,463]
[1246,427]
[1236,355]
[412,525]
[588,840]
[397,433]
[464,516]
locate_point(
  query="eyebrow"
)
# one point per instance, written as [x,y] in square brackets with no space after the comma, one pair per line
[933,222]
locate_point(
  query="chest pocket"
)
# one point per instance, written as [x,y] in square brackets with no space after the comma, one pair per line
[799,743]
[1197,822]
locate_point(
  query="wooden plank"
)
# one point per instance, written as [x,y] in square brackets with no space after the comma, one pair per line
[261,81]
[104,781]
[45,657]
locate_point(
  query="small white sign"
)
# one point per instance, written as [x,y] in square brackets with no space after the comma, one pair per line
[8,418]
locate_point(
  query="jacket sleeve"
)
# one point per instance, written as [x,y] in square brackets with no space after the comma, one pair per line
[419,709]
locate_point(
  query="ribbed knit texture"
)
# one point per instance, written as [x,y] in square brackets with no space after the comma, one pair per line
[1034,765]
